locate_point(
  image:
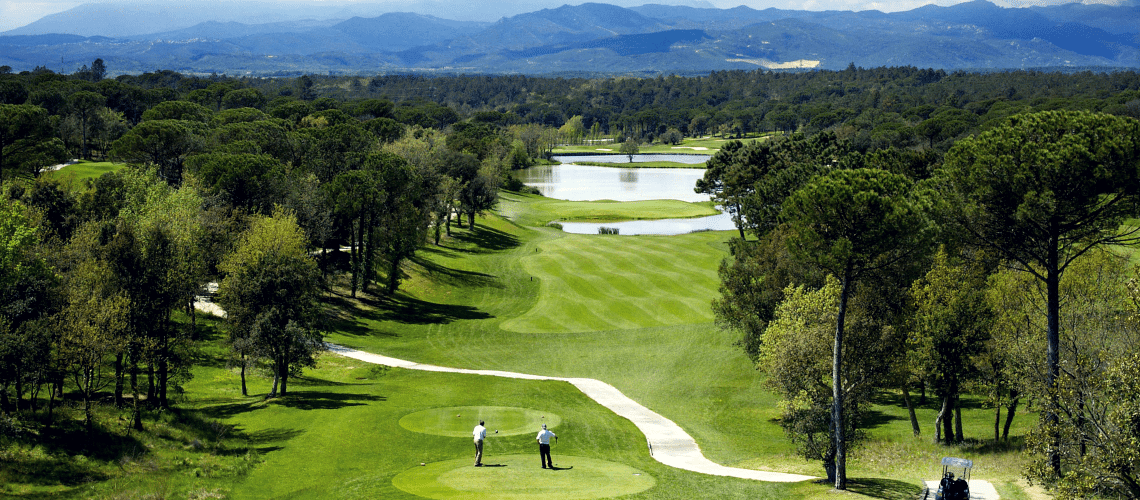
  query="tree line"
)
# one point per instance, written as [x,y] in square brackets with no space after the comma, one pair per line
[1000,269]
[274,201]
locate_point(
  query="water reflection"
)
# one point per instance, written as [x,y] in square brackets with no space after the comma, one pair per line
[628,179]
[588,183]
[584,183]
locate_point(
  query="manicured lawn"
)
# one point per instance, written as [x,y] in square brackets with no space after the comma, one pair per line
[641,164]
[631,311]
[84,170]
[532,210]
[704,145]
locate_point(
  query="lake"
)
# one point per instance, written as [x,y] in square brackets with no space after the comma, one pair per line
[590,183]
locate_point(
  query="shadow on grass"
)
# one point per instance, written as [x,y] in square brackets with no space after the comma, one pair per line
[405,310]
[230,410]
[875,418]
[884,488]
[268,436]
[50,470]
[309,381]
[454,277]
[485,240]
[313,400]
[988,446]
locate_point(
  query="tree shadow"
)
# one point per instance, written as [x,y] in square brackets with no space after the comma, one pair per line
[884,488]
[454,277]
[230,410]
[874,418]
[276,435]
[314,400]
[485,240]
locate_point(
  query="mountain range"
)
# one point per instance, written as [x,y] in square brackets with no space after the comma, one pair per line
[587,38]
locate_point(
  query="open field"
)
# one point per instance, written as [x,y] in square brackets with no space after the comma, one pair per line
[513,295]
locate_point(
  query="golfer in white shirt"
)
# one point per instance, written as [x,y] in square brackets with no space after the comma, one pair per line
[480,434]
[544,447]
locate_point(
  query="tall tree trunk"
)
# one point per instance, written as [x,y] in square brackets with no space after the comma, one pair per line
[914,427]
[353,255]
[244,391]
[958,436]
[136,410]
[837,387]
[997,422]
[150,384]
[394,275]
[369,255]
[284,371]
[939,421]
[471,219]
[948,419]
[1052,353]
[276,378]
[193,318]
[119,380]
[739,220]
[1011,410]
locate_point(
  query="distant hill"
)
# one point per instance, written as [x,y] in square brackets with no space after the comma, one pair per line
[596,37]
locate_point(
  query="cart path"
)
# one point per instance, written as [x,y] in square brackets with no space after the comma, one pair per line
[668,442]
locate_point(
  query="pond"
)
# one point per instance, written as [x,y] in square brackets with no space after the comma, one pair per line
[587,183]
[591,183]
[608,158]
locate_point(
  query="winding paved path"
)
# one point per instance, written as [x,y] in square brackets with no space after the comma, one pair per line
[668,442]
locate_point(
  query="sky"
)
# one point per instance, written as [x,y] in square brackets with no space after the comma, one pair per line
[16,13]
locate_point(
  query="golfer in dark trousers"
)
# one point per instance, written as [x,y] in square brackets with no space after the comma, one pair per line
[544,447]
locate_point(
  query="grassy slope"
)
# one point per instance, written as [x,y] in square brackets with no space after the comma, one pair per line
[573,305]
[337,434]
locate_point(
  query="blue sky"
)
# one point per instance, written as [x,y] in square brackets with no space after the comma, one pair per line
[16,13]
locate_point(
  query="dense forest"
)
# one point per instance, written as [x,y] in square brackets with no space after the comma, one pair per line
[967,209]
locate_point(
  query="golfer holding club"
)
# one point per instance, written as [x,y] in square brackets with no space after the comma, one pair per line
[480,434]
[544,447]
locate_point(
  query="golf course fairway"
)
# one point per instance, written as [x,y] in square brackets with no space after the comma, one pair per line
[519,477]
[458,421]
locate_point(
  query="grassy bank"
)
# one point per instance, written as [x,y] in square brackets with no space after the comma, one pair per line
[641,164]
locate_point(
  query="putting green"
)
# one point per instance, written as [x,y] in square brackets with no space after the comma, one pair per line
[519,477]
[458,421]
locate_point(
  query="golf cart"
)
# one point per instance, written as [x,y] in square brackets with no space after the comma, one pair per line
[951,487]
